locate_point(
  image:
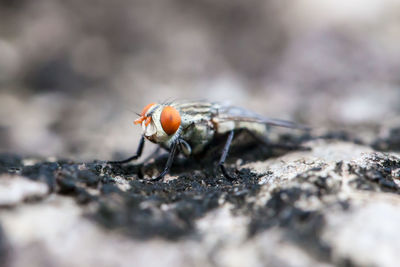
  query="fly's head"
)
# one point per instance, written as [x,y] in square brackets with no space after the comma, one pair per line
[160,123]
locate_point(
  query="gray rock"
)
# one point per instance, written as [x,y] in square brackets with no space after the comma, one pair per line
[336,204]
[14,189]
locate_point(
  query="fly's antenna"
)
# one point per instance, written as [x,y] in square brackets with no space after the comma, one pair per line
[132,111]
[128,108]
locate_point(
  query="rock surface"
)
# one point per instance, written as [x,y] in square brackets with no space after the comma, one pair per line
[73,77]
[337,204]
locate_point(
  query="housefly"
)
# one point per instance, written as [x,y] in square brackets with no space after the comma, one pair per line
[190,127]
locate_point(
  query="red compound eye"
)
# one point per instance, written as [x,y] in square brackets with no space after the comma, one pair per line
[170,120]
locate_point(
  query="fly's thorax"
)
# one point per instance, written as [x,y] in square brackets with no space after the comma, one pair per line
[198,133]
[154,130]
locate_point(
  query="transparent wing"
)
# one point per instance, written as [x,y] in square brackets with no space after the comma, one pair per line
[239,114]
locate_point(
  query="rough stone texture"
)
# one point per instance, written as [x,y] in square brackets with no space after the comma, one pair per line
[74,74]
[337,204]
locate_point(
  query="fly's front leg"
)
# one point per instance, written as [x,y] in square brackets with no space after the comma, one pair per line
[136,156]
[169,162]
[224,155]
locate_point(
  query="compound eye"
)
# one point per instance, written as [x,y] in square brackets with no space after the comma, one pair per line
[146,108]
[170,120]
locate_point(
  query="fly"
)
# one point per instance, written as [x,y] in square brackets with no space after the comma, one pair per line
[189,127]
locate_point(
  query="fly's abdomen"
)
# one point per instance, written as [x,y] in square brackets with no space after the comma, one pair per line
[223,126]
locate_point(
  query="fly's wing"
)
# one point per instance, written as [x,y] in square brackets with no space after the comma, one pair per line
[225,113]
[237,114]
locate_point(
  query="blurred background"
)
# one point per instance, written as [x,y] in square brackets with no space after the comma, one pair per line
[73,73]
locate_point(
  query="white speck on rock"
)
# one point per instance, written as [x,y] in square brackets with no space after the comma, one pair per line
[14,189]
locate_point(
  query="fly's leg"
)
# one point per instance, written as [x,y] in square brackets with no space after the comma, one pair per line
[169,163]
[224,155]
[136,156]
